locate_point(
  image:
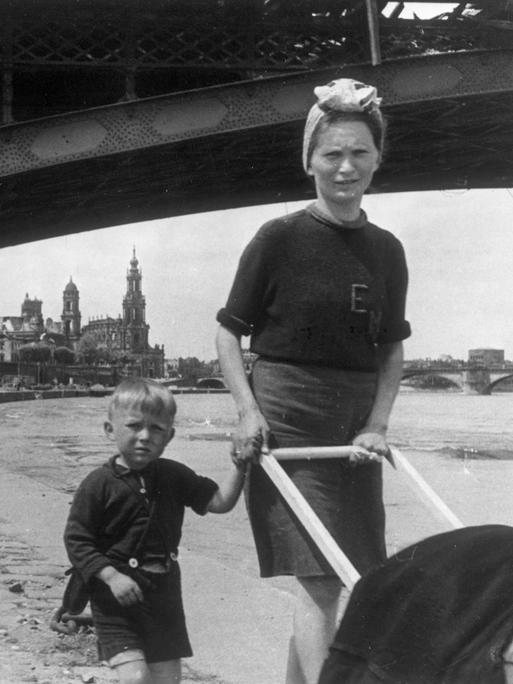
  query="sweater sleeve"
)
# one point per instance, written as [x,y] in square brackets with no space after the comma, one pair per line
[394,326]
[244,304]
[195,491]
[82,531]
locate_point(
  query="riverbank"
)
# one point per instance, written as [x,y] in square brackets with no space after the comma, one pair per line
[27,395]
[239,624]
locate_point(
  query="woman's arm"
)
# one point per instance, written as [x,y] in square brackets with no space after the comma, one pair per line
[253,430]
[373,435]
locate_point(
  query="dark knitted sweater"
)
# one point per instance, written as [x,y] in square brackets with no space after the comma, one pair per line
[110,521]
[309,291]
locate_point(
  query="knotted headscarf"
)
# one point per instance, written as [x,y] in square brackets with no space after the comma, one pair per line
[342,95]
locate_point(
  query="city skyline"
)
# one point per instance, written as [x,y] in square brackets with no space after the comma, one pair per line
[458,247]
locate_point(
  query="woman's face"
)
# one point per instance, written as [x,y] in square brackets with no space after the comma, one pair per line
[343,162]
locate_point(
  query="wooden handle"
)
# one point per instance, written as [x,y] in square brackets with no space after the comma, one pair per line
[426,493]
[325,542]
[291,453]
[308,518]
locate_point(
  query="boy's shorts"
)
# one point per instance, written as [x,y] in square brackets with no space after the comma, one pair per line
[156,626]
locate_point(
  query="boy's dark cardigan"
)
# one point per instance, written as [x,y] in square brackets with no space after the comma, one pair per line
[111,521]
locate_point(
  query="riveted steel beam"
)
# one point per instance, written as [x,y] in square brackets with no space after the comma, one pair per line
[162,120]
[228,146]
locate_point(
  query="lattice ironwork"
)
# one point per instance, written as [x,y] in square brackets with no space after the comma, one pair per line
[273,35]
[171,42]
[141,48]
[64,43]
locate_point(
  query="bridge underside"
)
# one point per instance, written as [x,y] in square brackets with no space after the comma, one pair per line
[234,144]
[464,142]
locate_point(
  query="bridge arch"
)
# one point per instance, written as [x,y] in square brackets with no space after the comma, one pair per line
[211,383]
[498,381]
[455,379]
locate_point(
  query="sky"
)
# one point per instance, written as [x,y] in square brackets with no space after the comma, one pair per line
[459,248]
[422,10]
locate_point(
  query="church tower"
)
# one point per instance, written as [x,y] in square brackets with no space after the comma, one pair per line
[134,310]
[70,312]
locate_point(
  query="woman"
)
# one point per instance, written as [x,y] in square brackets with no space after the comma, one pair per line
[322,294]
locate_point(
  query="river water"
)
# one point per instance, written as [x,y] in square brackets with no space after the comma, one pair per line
[462,445]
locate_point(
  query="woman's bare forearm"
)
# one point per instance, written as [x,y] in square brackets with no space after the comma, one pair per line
[253,430]
[230,358]
[390,357]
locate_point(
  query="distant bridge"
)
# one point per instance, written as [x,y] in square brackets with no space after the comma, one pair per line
[211,383]
[470,379]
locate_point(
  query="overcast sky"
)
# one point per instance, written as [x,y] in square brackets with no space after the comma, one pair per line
[459,247]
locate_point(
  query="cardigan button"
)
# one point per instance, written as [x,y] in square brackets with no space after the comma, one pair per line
[173,556]
[133,563]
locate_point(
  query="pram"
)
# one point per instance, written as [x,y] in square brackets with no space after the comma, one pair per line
[438,612]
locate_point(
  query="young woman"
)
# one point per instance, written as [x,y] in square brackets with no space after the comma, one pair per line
[322,294]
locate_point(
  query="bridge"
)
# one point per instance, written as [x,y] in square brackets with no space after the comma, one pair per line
[470,379]
[120,112]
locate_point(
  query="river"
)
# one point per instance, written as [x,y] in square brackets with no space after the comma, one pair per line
[462,445]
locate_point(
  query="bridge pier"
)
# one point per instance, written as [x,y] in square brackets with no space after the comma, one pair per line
[476,381]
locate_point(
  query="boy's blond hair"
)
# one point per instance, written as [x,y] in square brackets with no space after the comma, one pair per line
[146,395]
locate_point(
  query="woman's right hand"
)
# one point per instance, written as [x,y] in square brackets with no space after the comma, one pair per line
[252,435]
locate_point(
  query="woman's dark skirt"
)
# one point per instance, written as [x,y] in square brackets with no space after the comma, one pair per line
[316,406]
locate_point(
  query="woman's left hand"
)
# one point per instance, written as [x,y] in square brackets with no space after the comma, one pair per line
[244,452]
[374,442]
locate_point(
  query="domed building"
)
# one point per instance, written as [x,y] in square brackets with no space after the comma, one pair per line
[71,313]
[15,331]
[125,337]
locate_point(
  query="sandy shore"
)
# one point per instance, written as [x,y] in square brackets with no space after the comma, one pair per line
[239,624]
[234,620]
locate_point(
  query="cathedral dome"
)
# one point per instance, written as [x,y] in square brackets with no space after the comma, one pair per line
[71,287]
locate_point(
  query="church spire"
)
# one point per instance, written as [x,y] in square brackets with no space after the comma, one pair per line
[134,309]
[134,263]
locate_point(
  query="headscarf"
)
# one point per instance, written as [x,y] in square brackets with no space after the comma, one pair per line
[342,95]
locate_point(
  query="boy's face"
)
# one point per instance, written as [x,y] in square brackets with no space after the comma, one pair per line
[140,436]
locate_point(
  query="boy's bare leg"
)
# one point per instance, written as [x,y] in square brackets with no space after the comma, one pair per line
[133,672]
[139,672]
[168,672]
[315,621]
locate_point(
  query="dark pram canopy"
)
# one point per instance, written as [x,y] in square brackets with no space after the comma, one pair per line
[438,612]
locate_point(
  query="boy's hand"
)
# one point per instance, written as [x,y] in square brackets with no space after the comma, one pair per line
[251,436]
[126,590]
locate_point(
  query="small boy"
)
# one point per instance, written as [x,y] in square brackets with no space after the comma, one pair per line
[123,532]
